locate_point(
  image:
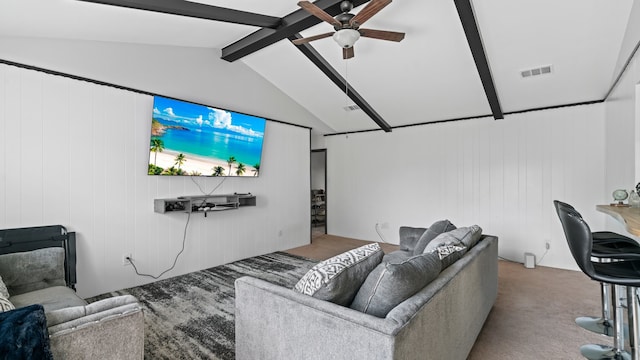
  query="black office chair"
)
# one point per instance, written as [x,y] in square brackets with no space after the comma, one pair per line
[607,246]
[619,273]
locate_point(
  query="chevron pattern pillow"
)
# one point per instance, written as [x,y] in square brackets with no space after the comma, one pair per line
[338,279]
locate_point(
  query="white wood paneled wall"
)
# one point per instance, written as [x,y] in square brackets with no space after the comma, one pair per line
[75,153]
[502,175]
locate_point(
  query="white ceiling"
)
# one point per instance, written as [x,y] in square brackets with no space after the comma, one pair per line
[429,76]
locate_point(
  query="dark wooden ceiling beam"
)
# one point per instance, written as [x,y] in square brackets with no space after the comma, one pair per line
[470,26]
[341,83]
[196,10]
[291,24]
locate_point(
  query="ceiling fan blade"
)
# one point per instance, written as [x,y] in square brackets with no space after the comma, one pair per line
[382,34]
[347,53]
[369,10]
[319,13]
[311,38]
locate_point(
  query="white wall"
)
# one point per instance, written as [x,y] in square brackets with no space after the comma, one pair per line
[622,130]
[502,175]
[75,153]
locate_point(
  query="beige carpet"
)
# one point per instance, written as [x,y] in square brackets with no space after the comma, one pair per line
[533,317]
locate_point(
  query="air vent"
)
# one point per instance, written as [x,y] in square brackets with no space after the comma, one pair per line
[536,71]
[351,108]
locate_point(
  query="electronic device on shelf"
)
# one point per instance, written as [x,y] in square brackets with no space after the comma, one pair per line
[204,203]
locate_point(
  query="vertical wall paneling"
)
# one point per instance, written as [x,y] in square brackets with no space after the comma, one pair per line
[76,154]
[621,127]
[502,175]
[3,141]
[637,129]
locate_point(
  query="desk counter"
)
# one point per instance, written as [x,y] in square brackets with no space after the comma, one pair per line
[629,216]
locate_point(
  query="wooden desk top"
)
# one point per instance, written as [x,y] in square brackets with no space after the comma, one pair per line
[629,216]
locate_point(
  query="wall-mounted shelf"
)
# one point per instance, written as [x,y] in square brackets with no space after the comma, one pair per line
[203,203]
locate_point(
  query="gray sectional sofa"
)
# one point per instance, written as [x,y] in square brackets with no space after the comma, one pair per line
[43,272]
[440,321]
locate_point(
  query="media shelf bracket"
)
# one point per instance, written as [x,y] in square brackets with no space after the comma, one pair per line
[203,203]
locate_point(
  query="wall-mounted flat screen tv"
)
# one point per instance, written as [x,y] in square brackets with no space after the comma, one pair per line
[197,140]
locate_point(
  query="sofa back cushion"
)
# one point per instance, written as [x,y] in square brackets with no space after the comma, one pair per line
[409,237]
[32,270]
[389,284]
[437,228]
[338,279]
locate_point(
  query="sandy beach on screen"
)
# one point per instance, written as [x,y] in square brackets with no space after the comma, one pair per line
[167,159]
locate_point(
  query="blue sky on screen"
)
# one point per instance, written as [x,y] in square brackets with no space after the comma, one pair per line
[194,116]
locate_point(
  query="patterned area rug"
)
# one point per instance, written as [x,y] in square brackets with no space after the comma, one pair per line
[192,316]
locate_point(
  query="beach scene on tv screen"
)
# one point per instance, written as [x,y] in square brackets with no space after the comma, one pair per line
[198,140]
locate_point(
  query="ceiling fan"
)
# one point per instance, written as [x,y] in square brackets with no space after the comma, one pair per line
[347,25]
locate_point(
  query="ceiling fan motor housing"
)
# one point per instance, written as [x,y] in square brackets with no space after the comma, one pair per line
[344,19]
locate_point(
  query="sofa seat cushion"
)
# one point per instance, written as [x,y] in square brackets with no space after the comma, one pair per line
[23,272]
[437,228]
[389,284]
[338,279]
[24,334]
[52,298]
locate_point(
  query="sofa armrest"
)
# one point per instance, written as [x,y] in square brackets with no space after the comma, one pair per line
[273,322]
[409,237]
[108,329]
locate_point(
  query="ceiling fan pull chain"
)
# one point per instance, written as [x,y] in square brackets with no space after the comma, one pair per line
[346,83]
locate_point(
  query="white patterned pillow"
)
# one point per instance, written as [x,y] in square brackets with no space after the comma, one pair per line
[5,304]
[3,289]
[339,278]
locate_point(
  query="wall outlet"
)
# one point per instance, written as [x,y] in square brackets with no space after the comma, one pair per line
[126,262]
[547,245]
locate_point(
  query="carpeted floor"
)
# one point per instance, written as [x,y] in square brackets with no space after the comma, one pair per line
[534,315]
[192,316]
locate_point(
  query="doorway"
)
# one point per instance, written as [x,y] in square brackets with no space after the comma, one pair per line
[318,192]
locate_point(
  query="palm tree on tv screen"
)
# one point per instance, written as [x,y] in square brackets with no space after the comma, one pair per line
[180,159]
[231,161]
[240,169]
[218,171]
[256,169]
[157,146]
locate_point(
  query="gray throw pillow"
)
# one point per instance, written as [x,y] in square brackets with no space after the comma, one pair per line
[338,279]
[437,228]
[450,246]
[5,304]
[389,284]
[3,289]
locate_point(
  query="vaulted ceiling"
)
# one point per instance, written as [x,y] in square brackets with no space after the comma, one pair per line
[460,59]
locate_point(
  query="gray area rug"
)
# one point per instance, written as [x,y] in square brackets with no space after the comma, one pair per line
[192,316]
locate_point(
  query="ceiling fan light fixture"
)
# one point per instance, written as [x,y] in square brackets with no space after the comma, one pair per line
[346,37]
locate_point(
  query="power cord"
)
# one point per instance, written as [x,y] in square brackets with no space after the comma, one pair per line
[380,234]
[522,262]
[214,189]
[184,239]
